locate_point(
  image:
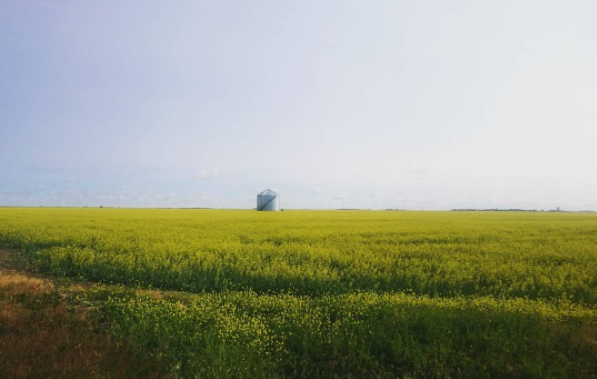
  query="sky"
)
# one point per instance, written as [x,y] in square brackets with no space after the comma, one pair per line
[334,104]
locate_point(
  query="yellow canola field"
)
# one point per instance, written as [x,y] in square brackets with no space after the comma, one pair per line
[334,293]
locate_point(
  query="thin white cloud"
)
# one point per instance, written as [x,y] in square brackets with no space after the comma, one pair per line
[40,168]
[207,174]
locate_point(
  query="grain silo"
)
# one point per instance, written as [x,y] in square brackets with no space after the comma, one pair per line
[268,200]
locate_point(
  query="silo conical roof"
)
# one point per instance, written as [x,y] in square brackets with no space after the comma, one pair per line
[269,192]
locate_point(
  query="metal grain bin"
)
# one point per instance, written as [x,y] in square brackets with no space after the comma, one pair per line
[268,200]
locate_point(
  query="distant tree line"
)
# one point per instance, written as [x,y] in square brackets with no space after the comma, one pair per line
[511,210]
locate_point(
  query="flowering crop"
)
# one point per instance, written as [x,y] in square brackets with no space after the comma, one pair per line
[325,293]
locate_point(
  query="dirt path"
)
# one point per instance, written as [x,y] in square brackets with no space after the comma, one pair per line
[13,280]
[45,336]
[13,276]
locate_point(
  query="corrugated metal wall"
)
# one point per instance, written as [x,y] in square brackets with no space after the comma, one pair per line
[268,200]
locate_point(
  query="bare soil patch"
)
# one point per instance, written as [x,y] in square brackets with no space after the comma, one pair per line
[5,256]
[42,335]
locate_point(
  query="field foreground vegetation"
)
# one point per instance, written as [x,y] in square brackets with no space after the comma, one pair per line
[322,294]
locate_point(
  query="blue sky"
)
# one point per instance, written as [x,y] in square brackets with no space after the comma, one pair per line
[335,104]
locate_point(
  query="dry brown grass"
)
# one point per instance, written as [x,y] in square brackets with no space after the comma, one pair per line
[18,283]
[43,336]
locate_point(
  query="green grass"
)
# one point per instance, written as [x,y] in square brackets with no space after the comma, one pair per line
[331,293]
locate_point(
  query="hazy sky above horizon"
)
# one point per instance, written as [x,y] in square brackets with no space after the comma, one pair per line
[334,104]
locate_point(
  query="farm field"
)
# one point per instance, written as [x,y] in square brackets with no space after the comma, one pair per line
[306,294]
